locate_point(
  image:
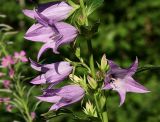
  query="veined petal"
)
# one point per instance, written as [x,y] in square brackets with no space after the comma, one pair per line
[45,47]
[39,80]
[29,13]
[68,32]
[69,90]
[41,18]
[133,86]
[113,65]
[62,8]
[35,65]
[65,102]
[59,75]
[52,99]
[56,65]
[107,86]
[50,11]
[38,32]
[122,94]
[69,96]
[133,68]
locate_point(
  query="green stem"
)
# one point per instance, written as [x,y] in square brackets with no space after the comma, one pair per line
[3,48]
[101,113]
[20,93]
[105,116]
[97,106]
[84,12]
[91,59]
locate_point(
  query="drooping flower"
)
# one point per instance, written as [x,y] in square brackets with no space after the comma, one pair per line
[63,96]
[7,61]
[121,80]
[55,11]
[53,34]
[20,56]
[51,73]
[6,84]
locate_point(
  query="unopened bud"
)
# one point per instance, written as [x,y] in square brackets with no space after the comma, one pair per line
[92,82]
[78,52]
[104,63]
[90,109]
[75,78]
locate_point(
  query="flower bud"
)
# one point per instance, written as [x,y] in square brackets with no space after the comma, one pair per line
[104,64]
[75,78]
[90,110]
[92,82]
[78,52]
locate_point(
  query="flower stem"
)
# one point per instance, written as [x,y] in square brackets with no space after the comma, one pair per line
[102,114]
[97,106]
[91,60]
[19,95]
[105,116]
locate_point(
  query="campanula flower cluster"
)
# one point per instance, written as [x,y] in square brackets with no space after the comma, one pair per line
[53,32]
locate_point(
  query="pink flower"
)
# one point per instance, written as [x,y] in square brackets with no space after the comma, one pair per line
[1,74]
[6,100]
[6,84]
[9,108]
[7,61]
[33,115]
[11,73]
[21,56]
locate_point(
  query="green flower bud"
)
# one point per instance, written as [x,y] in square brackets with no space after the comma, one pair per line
[90,109]
[75,78]
[79,80]
[93,84]
[104,63]
[78,52]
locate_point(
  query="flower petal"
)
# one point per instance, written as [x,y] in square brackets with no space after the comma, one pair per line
[133,86]
[68,32]
[38,32]
[65,102]
[58,75]
[52,99]
[39,80]
[133,68]
[46,46]
[35,65]
[122,94]
[29,13]
[50,10]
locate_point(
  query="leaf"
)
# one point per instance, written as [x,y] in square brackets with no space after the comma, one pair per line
[52,114]
[148,67]
[92,5]
[36,105]
[5,90]
[29,92]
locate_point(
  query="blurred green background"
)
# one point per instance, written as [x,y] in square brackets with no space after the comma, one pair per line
[128,28]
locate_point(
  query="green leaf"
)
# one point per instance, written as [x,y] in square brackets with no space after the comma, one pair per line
[92,5]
